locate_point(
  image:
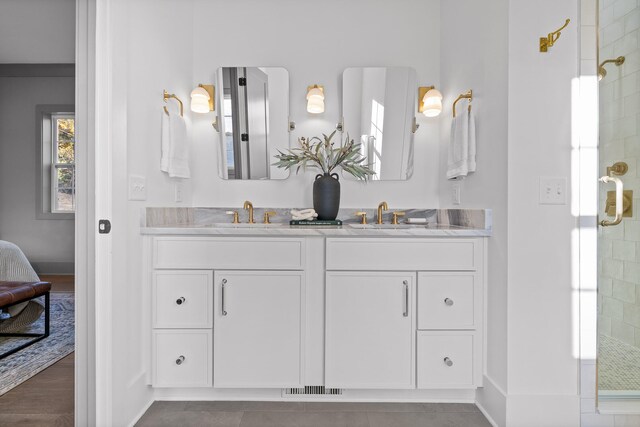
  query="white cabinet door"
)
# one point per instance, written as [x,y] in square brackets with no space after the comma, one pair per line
[258,326]
[370,323]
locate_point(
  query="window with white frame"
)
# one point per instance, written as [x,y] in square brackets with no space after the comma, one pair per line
[63,167]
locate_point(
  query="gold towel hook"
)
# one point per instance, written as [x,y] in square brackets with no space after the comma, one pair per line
[547,42]
[468,95]
[166,96]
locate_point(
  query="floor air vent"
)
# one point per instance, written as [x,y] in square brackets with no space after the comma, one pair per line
[312,390]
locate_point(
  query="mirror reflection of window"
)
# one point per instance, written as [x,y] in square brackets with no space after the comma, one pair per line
[374,152]
[254,121]
[228,135]
[378,107]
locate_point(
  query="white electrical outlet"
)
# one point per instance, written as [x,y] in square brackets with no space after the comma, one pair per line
[137,187]
[456,193]
[178,194]
[553,190]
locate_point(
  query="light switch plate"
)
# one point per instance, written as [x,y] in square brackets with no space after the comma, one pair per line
[137,187]
[553,190]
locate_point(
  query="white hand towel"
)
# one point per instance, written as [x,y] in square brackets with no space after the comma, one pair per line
[165,141]
[178,145]
[462,148]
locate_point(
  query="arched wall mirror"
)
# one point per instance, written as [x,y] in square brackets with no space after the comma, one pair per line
[618,357]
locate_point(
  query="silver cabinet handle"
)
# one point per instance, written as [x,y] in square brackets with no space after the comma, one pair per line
[405,284]
[448,361]
[224,282]
[448,301]
[180,300]
[179,360]
[619,202]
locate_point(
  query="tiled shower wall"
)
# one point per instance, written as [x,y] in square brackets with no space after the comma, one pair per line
[619,281]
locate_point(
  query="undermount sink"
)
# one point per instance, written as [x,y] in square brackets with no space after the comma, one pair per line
[246,225]
[391,226]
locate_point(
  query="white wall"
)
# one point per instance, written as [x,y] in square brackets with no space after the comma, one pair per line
[348,34]
[49,243]
[152,49]
[542,313]
[37,31]
[474,56]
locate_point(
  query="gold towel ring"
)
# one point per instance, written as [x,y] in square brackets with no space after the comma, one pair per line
[166,96]
[468,95]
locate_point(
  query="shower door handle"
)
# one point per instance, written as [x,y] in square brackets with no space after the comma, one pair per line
[619,200]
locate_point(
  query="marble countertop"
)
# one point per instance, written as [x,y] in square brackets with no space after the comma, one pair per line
[354,230]
[216,221]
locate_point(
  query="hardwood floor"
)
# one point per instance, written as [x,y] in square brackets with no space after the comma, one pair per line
[43,400]
[59,283]
[47,398]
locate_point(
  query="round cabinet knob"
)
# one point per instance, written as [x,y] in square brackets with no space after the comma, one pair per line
[180,300]
[448,301]
[448,361]
[179,360]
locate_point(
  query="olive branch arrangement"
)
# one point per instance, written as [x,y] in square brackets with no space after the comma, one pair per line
[323,155]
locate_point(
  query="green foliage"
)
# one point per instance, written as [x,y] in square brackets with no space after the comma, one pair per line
[323,155]
[66,152]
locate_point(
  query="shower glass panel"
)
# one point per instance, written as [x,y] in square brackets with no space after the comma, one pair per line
[619,225]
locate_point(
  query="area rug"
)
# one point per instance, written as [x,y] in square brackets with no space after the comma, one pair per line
[20,366]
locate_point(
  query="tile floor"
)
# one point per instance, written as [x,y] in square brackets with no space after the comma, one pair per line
[298,414]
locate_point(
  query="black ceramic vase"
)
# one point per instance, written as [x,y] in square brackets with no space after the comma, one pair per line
[326,196]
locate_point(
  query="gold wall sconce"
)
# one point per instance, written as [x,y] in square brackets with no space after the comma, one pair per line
[602,72]
[549,41]
[468,95]
[203,101]
[429,101]
[166,96]
[315,99]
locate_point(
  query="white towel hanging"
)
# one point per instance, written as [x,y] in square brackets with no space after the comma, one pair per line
[175,145]
[462,147]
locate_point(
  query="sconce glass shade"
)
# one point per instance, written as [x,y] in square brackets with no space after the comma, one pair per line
[200,100]
[432,103]
[315,100]
[315,105]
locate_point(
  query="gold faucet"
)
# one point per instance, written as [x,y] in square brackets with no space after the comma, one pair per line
[363,217]
[381,207]
[248,205]
[394,221]
[267,217]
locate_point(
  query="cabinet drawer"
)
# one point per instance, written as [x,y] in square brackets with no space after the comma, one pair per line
[182,299]
[229,253]
[182,358]
[403,254]
[447,360]
[447,300]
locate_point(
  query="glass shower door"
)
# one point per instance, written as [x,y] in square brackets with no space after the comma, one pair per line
[618,363]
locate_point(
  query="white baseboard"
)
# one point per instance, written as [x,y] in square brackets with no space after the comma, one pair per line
[492,402]
[145,408]
[543,410]
[139,395]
